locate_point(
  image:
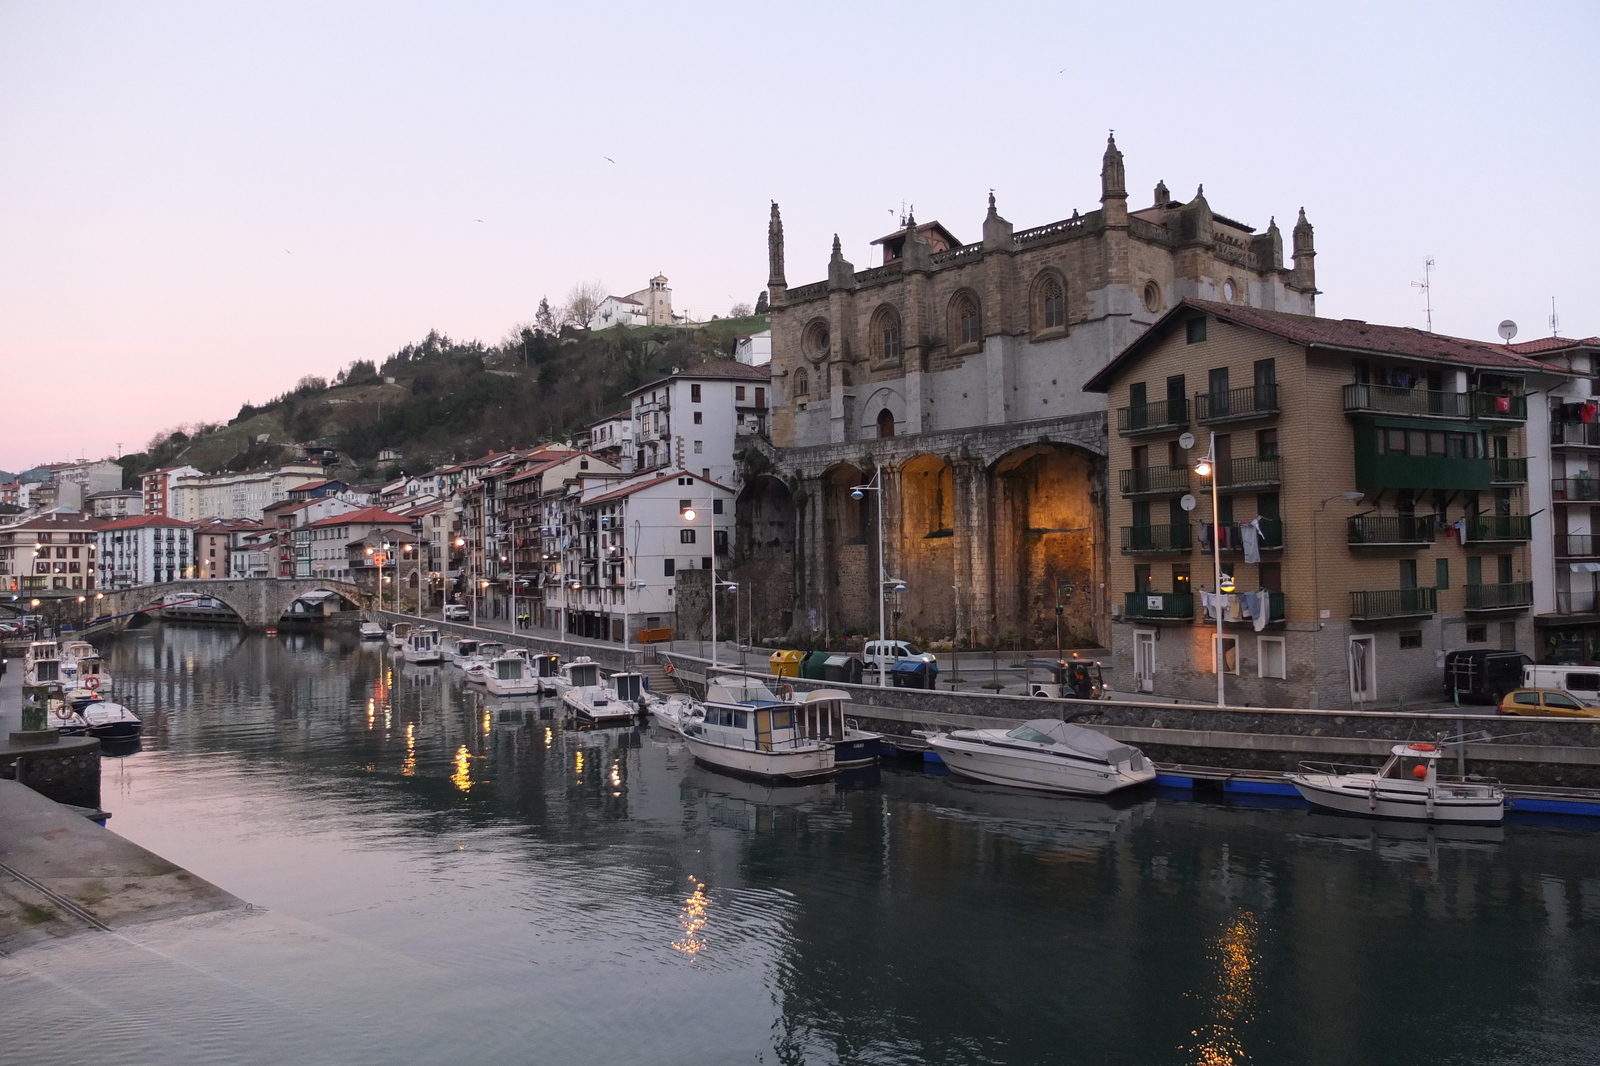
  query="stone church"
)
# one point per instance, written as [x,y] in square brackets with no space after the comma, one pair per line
[951,374]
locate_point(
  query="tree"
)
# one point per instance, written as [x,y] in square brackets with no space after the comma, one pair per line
[582,303]
[739,311]
[544,320]
[761,303]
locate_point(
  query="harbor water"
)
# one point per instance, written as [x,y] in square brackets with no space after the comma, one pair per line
[438,877]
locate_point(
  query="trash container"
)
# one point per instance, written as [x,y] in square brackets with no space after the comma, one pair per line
[914,673]
[814,665]
[844,669]
[784,663]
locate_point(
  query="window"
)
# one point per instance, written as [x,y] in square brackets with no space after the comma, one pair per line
[719,538]
[684,505]
[761,396]
[1195,330]
[1474,569]
[694,393]
[716,506]
[1270,658]
[1152,297]
[885,335]
[1441,573]
[1565,703]
[1141,578]
[1411,638]
[1051,301]
[705,562]
[885,423]
[966,325]
[1230,654]
[802,383]
[738,393]
[698,416]
[1363,669]
[699,447]
[686,536]
[669,567]
[1408,573]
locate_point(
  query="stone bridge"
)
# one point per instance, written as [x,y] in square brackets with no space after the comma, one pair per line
[258,601]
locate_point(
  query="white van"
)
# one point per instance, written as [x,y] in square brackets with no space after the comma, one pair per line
[456,612]
[883,654]
[1582,681]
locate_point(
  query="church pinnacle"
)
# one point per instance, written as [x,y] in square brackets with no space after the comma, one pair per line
[1113,180]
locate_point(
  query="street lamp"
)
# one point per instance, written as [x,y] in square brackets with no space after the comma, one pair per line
[1206,468]
[859,492]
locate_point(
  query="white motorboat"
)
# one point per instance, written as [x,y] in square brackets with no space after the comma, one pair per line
[820,716]
[371,631]
[476,666]
[459,650]
[747,730]
[111,721]
[547,668]
[589,699]
[1407,786]
[669,713]
[511,675]
[67,718]
[1045,754]
[41,663]
[82,667]
[422,646]
[398,634]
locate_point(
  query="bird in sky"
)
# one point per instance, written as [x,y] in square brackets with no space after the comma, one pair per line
[608,159]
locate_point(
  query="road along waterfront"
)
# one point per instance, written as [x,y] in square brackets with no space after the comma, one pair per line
[439,877]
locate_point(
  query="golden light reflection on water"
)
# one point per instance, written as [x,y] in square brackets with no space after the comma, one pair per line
[372,710]
[577,763]
[1237,960]
[693,919]
[408,765]
[462,778]
[486,721]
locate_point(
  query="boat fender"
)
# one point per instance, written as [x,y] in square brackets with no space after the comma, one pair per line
[1419,772]
[91,682]
[667,669]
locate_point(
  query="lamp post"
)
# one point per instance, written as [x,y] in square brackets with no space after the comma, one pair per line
[1206,468]
[859,492]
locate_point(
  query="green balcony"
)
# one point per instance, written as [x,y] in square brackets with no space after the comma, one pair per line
[1275,612]
[1495,408]
[1236,405]
[1152,539]
[1154,606]
[1392,400]
[1246,472]
[1504,470]
[1393,603]
[1503,596]
[1390,530]
[1159,417]
[1270,539]
[1155,480]
[1392,454]
[1499,528]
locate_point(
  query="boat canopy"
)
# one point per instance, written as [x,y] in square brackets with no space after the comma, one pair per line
[746,690]
[1074,737]
[822,695]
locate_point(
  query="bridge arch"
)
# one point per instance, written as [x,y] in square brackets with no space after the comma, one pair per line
[259,602]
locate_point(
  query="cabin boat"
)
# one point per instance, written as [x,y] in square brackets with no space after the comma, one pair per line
[675,709]
[82,668]
[591,700]
[1408,786]
[629,687]
[399,633]
[41,663]
[820,715]
[111,721]
[477,666]
[1045,754]
[422,646]
[748,731]
[511,675]
[371,631]
[547,668]
[460,650]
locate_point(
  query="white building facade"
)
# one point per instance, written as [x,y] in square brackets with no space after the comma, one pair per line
[232,496]
[144,550]
[691,420]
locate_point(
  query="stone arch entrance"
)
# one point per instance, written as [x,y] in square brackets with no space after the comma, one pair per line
[926,547]
[1046,538]
[849,555]
[765,559]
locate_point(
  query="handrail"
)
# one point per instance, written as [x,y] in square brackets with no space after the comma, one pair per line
[1249,401]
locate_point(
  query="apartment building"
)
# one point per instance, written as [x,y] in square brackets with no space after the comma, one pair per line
[197,497]
[49,555]
[691,420]
[1372,509]
[157,487]
[144,550]
[324,543]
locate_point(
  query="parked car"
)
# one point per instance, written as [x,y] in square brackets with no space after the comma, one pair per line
[883,654]
[1546,701]
[457,612]
[1582,681]
[1483,676]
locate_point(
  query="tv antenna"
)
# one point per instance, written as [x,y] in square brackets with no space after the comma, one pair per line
[1555,319]
[1426,285]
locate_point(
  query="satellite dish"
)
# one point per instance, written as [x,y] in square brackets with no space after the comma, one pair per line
[1187,503]
[1186,441]
[1508,329]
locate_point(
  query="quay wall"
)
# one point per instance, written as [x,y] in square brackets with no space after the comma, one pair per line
[1555,752]
[67,771]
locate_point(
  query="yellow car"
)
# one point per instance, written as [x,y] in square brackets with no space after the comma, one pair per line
[1552,702]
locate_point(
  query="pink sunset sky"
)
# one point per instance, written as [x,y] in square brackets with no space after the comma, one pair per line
[200,202]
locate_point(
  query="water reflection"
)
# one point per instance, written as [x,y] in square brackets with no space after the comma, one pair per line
[552,873]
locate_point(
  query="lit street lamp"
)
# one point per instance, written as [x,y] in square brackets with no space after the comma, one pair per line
[1206,468]
[859,492]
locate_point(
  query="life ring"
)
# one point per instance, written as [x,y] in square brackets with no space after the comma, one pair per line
[667,669]
[784,692]
[91,682]
[64,712]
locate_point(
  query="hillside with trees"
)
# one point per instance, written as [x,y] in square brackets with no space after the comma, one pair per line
[442,399]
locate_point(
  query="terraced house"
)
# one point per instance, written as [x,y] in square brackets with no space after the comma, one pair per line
[1373,507]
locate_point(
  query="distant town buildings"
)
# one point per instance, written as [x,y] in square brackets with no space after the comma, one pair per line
[49,554]
[650,306]
[690,420]
[144,550]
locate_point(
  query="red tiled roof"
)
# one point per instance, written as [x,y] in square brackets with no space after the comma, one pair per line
[363,516]
[144,520]
[715,370]
[1553,344]
[629,490]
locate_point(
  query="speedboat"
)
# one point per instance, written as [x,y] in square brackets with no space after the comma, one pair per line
[748,731]
[1407,786]
[1046,754]
[422,646]
[590,700]
[41,663]
[820,716]
[111,721]
[511,675]
[82,697]
[399,633]
[371,631]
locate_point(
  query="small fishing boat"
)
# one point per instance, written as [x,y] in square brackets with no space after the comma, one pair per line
[399,633]
[589,699]
[1045,754]
[748,731]
[1408,786]
[511,675]
[422,646]
[111,721]
[371,631]
[820,716]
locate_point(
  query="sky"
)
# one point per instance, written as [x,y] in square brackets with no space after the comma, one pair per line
[200,203]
